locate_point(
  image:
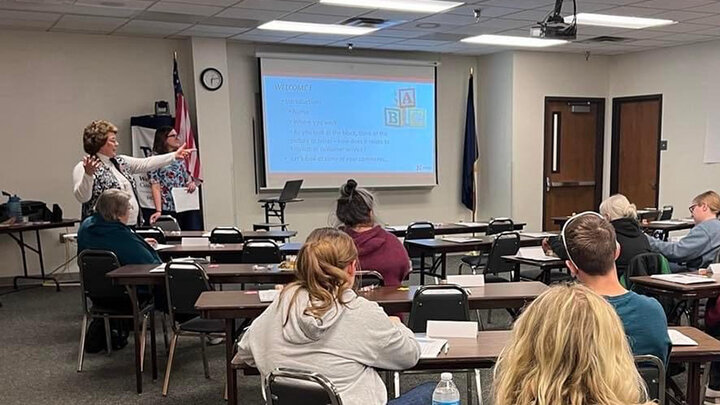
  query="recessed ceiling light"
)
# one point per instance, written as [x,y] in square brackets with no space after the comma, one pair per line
[505,40]
[313,28]
[415,6]
[619,21]
[427,25]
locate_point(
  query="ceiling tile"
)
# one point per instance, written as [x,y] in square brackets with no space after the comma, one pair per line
[131,4]
[586,7]
[686,38]
[630,11]
[653,43]
[214,30]
[673,4]
[88,23]
[453,19]
[681,27]
[680,15]
[334,10]
[277,5]
[638,34]
[315,18]
[28,16]
[25,24]
[393,15]
[269,34]
[151,28]
[218,3]
[169,17]
[397,33]
[426,26]
[711,31]
[185,8]
[306,41]
[68,8]
[423,42]
[708,8]
[370,39]
[231,22]
[709,20]
[528,15]
[251,14]
[485,11]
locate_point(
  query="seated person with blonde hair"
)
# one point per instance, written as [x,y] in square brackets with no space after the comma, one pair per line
[592,251]
[568,347]
[623,217]
[698,248]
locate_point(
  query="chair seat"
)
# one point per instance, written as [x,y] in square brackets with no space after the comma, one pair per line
[492,278]
[200,325]
[472,260]
[537,275]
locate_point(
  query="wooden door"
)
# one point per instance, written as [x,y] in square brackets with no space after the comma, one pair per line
[635,163]
[572,177]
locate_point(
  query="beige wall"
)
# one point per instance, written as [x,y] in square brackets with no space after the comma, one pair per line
[51,86]
[687,77]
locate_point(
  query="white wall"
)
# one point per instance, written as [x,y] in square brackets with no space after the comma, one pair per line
[687,77]
[52,85]
[442,203]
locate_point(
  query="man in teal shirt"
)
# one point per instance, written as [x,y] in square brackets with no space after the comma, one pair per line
[592,250]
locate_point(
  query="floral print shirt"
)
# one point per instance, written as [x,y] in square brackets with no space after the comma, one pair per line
[171,176]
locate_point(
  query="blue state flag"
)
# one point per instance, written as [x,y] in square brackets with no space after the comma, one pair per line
[470,153]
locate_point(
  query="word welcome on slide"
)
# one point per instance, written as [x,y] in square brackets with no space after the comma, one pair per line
[348,125]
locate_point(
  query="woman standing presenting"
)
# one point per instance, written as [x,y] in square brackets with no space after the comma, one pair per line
[174,175]
[103,169]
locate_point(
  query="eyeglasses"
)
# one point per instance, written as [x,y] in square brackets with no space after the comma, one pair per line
[691,208]
[562,233]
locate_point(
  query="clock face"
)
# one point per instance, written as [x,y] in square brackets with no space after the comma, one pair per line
[211,79]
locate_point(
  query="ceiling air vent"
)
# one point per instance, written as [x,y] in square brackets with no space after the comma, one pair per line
[605,39]
[366,22]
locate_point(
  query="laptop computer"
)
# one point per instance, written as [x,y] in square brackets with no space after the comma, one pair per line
[289,192]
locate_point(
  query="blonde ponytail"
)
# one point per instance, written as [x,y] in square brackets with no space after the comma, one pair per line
[617,206]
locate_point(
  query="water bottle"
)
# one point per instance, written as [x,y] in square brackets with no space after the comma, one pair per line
[14,208]
[446,393]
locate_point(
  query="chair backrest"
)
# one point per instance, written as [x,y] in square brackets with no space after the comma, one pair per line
[167,223]
[260,252]
[366,278]
[438,303]
[645,264]
[666,213]
[94,265]
[226,234]
[420,230]
[652,371]
[498,225]
[184,282]
[285,386]
[152,232]
[505,244]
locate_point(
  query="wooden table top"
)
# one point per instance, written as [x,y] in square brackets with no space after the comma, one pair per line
[543,264]
[235,304]
[212,249]
[703,290]
[139,274]
[483,243]
[454,229]
[483,351]
[675,225]
[38,225]
[176,236]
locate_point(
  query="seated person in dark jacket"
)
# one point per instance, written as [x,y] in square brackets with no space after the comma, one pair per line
[106,230]
[623,217]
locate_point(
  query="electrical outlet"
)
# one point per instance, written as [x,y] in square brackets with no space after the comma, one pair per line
[663,145]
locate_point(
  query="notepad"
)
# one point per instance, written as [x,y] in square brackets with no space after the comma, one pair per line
[679,339]
[161,246]
[683,278]
[185,201]
[535,253]
[429,347]
[460,239]
[268,295]
[537,235]
[160,268]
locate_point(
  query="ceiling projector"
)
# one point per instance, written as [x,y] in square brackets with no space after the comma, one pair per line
[554,25]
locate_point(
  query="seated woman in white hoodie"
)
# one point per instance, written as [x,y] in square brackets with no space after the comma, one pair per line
[319,324]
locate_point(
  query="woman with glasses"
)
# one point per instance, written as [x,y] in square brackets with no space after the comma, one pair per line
[699,247]
[174,175]
[103,169]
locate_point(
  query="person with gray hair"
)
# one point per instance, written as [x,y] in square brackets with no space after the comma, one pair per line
[106,229]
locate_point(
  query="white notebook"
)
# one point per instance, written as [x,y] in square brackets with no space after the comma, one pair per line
[535,253]
[429,347]
[679,339]
[683,278]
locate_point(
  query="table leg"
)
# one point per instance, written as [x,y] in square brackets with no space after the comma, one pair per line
[694,312]
[42,263]
[153,347]
[694,384]
[132,291]
[24,259]
[422,268]
[229,351]
[443,263]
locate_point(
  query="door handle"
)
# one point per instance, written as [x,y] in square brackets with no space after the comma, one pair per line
[572,183]
[547,183]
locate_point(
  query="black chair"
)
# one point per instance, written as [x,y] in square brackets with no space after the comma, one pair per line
[652,371]
[505,244]
[285,386]
[666,213]
[152,232]
[418,230]
[184,282]
[167,223]
[495,226]
[226,234]
[368,278]
[438,303]
[110,301]
[261,252]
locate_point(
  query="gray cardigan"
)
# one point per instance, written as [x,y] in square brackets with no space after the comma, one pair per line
[698,248]
[346,345]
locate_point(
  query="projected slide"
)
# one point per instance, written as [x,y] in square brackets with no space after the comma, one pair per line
[326,127]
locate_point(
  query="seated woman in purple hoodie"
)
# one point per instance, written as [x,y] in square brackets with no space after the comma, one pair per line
[378,249]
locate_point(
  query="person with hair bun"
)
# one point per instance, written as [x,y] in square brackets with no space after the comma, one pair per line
[319,324]
[699,247]
[568,347]
[378,249]
[623,217]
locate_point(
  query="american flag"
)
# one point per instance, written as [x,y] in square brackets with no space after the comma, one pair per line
[183,127]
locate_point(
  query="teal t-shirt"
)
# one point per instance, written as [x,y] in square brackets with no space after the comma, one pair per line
[645,324]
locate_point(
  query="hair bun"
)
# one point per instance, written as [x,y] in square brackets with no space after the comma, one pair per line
[349,187]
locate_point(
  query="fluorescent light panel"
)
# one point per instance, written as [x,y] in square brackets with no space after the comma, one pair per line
[505,40]
[619,21]
[416,6]
[313,28]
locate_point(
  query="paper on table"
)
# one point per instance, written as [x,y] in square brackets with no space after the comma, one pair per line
[679,339]
[185,201]
[161,246]
[398,227]
[537,234]
[159,269]
[535,253]
[471,224]
[458,239]
[429,347]
[683,278]
[668,221]
[268,295]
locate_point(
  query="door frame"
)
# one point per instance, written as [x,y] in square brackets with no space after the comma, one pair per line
[599,144]
[615,140]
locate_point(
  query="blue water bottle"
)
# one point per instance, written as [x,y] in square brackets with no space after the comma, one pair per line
[14,208]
